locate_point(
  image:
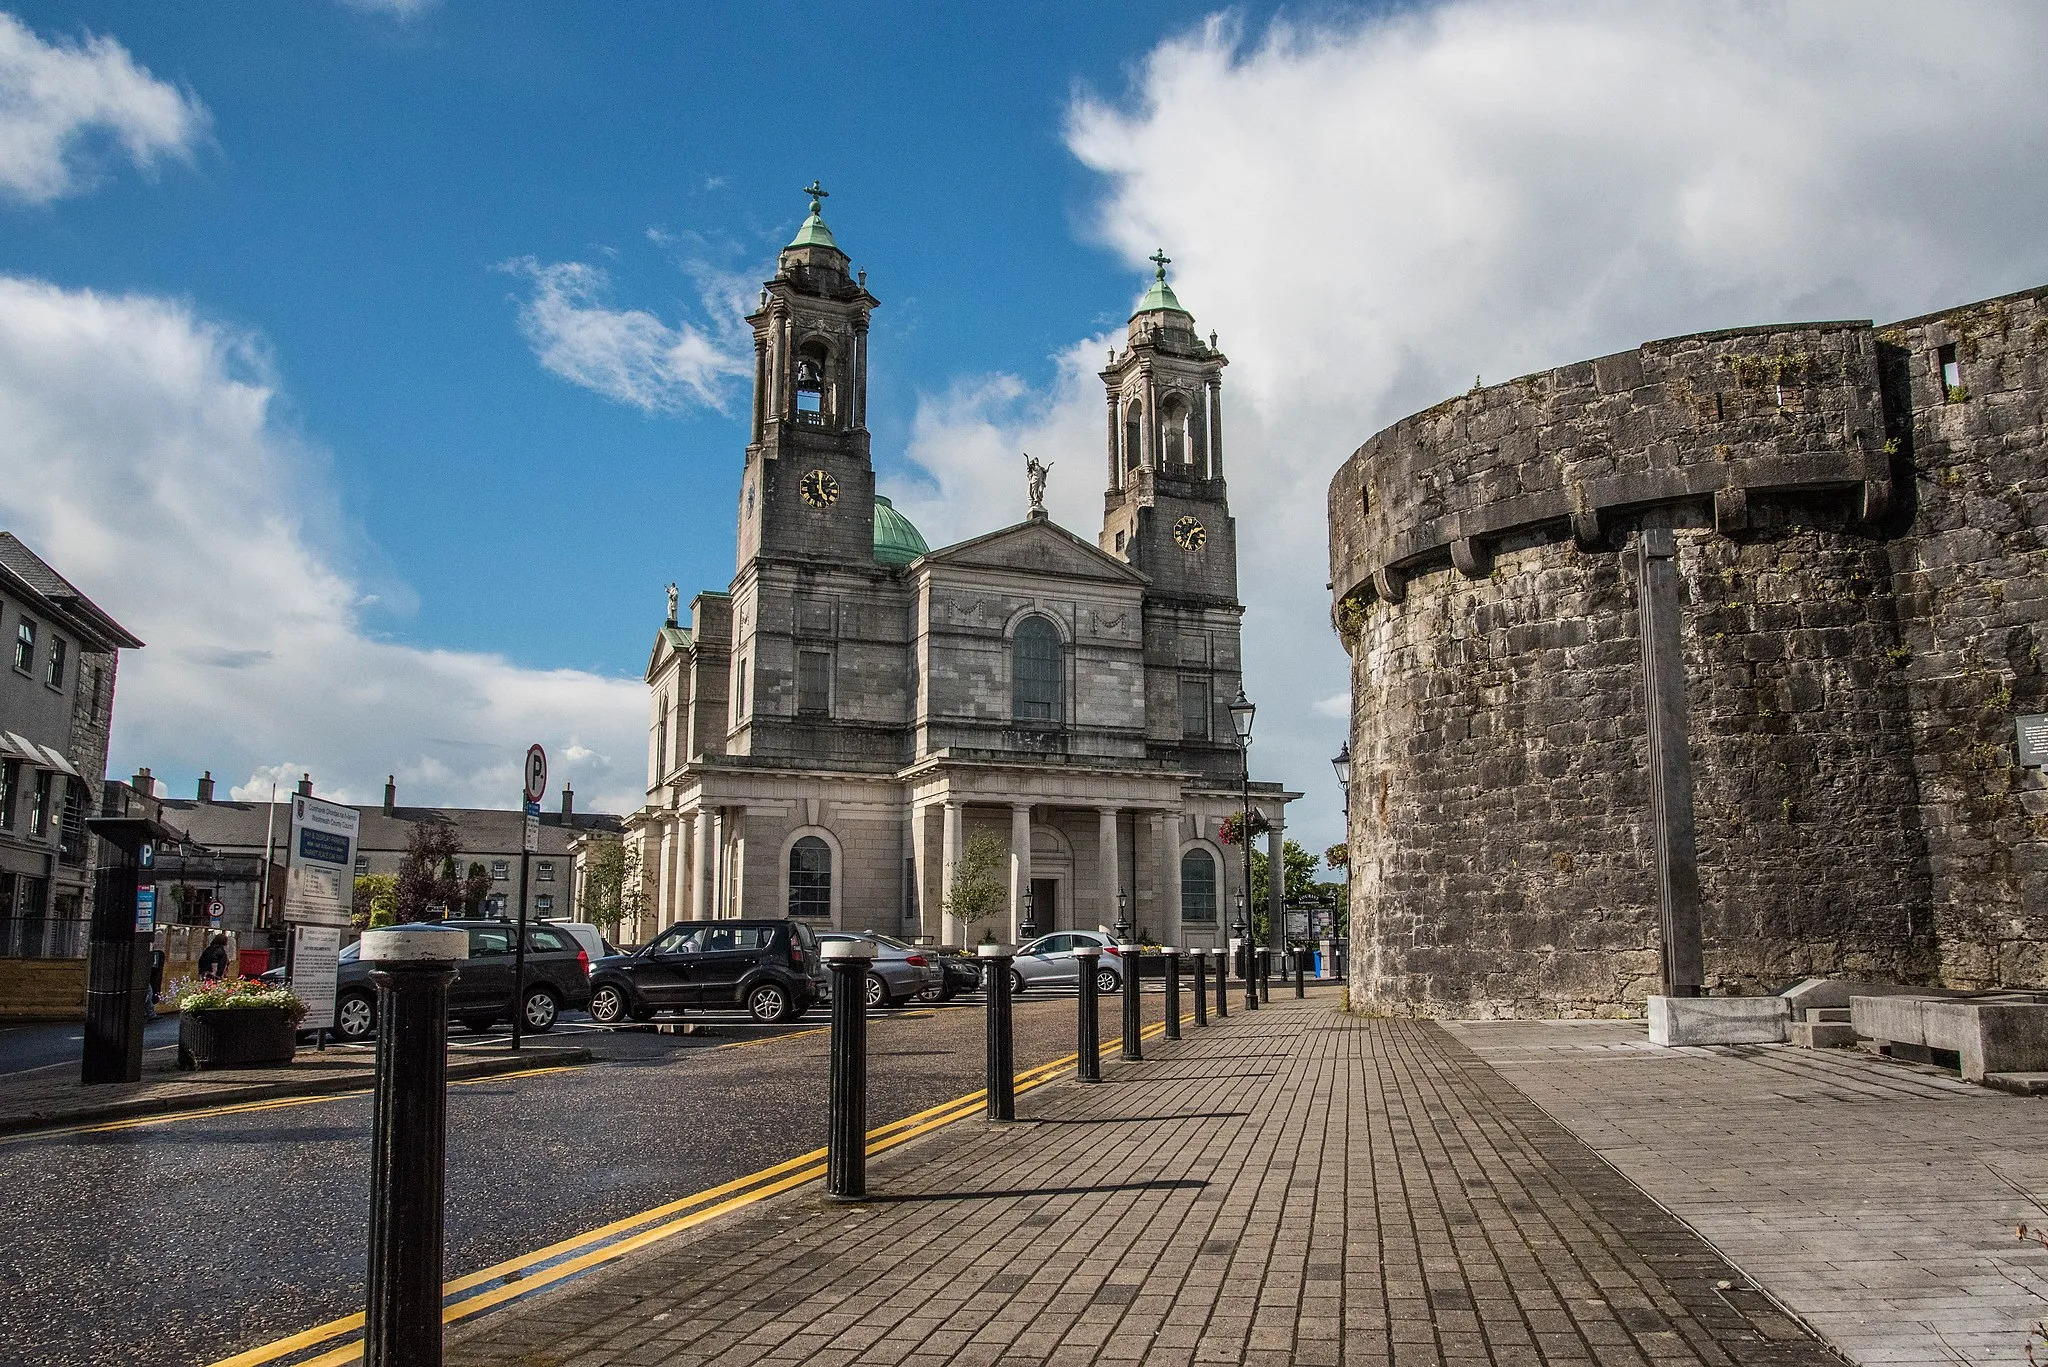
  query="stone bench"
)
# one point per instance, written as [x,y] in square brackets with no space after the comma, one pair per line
[1996,1035]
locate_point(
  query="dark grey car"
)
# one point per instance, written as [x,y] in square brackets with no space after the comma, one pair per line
[557,977]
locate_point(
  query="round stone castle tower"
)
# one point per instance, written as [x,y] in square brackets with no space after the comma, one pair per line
[1694,667]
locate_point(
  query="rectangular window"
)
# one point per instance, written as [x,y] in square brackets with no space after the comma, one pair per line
[499,871]
[1951,373]
[544,904]
[25,646]
[39,804]
[55,677]
[1194,706]
[71,827]
[10,791]
[544,871]
[739,692]
[362,865]
[813,683]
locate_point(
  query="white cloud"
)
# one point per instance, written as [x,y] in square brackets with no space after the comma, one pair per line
[56,99]
[1372,212]
[142,459]
[629,354]
[401,10]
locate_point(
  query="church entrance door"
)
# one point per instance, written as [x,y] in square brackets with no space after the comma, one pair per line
[1045,904]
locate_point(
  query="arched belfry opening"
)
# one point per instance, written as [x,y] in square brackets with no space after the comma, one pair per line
[1134,436]
[1175,448]
[814,384]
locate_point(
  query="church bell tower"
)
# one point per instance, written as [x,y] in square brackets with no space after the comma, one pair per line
[808,490]
[1167,508]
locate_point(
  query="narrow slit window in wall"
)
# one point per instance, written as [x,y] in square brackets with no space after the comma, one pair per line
[1951,373]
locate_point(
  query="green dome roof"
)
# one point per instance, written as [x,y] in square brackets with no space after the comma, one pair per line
[814,233]
[1161,296]
[896,541]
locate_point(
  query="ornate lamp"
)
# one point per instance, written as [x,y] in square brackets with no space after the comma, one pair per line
[1123,918]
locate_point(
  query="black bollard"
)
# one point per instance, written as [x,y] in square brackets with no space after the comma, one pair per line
[1265,974]
[1133,1020]
[412,967]
[1172,992]
[1201,958]
[1300,971]
[1251,976]
[1222,983]
[846,1128]
[1088,1030]
[1002,1066]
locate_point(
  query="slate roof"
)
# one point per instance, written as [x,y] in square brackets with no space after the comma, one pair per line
[228,826]
[26,574]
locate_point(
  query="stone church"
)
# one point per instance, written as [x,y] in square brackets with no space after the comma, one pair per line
[829,733]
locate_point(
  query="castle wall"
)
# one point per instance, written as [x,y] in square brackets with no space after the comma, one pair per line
[1860,594]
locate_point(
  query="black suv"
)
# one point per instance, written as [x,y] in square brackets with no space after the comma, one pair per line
[771,968]
[557,976]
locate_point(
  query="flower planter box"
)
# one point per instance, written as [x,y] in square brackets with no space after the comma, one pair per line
[236,1037]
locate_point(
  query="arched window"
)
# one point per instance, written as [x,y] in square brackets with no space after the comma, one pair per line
[1197,886]
[811,363]
[1173,431]
[810,877]
[1134,434]
[1036,672]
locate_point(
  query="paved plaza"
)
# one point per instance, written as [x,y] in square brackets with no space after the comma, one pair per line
[1876,1200]
[1295,1186]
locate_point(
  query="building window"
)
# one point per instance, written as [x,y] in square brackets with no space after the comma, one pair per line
[1134,435]
[1197,886]
[71,827]
[1951,373]
[1119,543]
[25,646]
[494,906]
[1035,672]
[544,904]
[810,877]
[499,871]
[10,791]
[739,692]
[1194,707]
[362,865]
[39,804]
[544,871]
[813,683]
[661,742]
[55,677]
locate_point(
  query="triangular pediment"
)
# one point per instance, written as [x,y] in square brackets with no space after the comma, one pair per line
[669,642]
[1038,546]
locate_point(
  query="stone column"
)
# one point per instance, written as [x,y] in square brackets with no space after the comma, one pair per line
[928,920]
[1215,428]
[950,848]
[1151,427]
[1169,878]
[1116,460]
[664,870]
[1276,884]
[859,398]
[760,382]
[1112,879]
[736,837]
[700,865]
[718,864]
[1020,865]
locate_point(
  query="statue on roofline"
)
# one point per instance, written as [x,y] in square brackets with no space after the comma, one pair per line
[1034,480]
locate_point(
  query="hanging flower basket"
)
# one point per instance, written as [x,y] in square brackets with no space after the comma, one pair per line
[1234,825]
[1338,856]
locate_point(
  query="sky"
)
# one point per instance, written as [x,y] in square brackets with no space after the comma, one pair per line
[379,361]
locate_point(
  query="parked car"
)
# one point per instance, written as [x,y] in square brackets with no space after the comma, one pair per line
[483,993]
[900,971]
[1049,961]
[771,968]
[587,935]
[961,973]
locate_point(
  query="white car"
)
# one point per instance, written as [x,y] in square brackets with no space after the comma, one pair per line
[587,936]
[1049,960]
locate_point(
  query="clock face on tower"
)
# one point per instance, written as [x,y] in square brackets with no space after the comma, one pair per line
[819,489]
[1190,535]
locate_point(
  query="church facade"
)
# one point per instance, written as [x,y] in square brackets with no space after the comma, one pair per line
[829,734]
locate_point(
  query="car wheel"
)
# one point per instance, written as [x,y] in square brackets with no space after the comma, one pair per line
[356,1017]
[1016,983]
[1106,980]
[769,1004]
[540,1010]
[609,1004]
[878,993]
[933,994]
[480,1025]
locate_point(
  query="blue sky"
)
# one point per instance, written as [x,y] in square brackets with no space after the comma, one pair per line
[374,360]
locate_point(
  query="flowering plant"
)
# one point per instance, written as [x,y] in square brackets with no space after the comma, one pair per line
[213,994]
[1234,825]
[1338,856]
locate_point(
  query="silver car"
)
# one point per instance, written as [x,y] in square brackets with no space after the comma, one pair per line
[900,970]
[1049,961]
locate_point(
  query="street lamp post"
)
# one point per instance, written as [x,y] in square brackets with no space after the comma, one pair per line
[1342,764]
[1123,918]
[1241,710]
[1029,927]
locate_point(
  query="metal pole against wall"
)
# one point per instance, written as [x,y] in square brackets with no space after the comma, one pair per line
[1133,1021]
[1087,1026]
[1201,958]
[1172,956]
[846,1128]
[1222,983]
[1671,805]
[1000,1077]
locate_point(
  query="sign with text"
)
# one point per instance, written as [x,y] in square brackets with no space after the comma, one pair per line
[316,958]
[320,887]
[145,910]
[530,835]
[2033,735]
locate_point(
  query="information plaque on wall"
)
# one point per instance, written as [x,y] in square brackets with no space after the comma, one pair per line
[2033,736]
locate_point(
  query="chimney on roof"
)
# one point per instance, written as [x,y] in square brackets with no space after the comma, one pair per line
[143,783]
[568,799]
[305,785]
[206,786]
[390,794]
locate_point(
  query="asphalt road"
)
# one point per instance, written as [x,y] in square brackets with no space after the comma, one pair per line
[23,1047]
[184,1242]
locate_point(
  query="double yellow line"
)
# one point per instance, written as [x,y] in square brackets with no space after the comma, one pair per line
[515,1278]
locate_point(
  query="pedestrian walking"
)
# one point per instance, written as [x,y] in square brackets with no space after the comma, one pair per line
[213,960]
[156,978]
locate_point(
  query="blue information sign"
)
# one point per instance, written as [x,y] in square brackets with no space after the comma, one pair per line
[323,846]
[145,910]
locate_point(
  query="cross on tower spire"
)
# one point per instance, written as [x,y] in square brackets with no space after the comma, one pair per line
[817,192]
[1158,258]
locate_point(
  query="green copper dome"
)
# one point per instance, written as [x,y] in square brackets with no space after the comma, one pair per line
[1161,296]
[896,541]
[814,233]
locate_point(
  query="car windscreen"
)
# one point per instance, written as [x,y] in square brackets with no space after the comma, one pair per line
[894,943]
[543,940]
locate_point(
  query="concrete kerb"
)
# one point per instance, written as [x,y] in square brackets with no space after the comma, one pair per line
[354,1081]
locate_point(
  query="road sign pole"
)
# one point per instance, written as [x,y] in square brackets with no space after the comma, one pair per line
[529,819]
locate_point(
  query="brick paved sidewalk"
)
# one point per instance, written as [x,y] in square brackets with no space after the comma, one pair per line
[44,1098]
[1876,1200]
[1295,1186]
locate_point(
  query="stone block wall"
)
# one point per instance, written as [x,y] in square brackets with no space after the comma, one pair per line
[1861,589]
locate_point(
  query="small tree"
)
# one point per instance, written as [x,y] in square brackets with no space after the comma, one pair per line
[428,851]
[373,890]
[978,893]
[611,885]
[475,887]
[1299,889]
